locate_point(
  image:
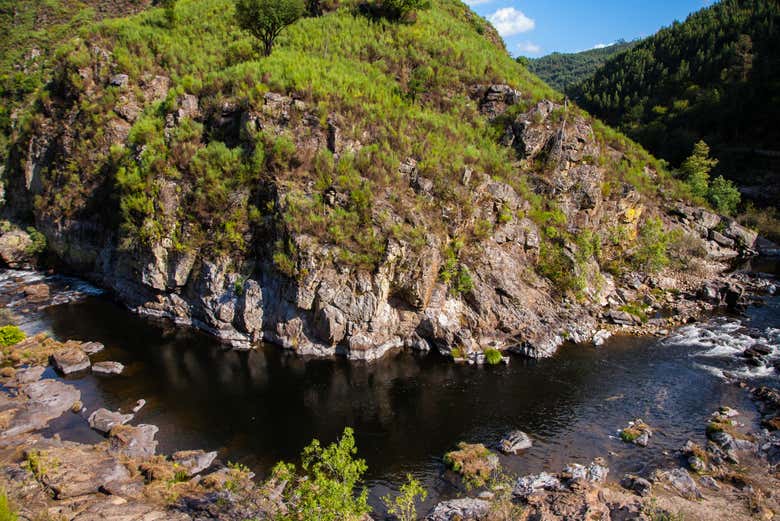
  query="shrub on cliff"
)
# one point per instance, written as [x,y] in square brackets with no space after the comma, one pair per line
[402,9]
[324,489]
[10,335]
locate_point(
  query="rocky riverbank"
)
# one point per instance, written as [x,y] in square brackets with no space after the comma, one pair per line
[123,477]
[734,476]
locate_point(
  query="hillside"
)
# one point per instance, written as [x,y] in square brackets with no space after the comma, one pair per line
[714,77]
[564,70]
[369,185]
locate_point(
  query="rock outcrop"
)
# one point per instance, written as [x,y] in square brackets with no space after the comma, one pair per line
[508,300]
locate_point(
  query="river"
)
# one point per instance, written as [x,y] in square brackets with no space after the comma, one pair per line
[265,405]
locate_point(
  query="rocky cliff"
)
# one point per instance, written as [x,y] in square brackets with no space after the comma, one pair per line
[261,209]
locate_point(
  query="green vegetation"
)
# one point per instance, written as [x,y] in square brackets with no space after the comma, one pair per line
[170,11]
[402,9]
[714,77]
[266,19]
[493,356]
[564,70]
[695,171]
[474,462]
[6,512]
[10,335]
[38,244]
[403,506]
[229,180]
[324,489]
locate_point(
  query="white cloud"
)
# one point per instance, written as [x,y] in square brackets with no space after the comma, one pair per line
[529,48]
[601,45]
[509,21]
[472,3]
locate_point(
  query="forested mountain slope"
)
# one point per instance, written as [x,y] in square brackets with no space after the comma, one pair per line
[714,77]
[564,70]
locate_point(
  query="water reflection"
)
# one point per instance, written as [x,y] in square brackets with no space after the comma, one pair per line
[263,406]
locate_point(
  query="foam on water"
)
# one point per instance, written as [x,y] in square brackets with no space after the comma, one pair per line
[718,346]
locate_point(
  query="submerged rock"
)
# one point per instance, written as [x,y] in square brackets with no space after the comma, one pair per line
[514,442]
[104,420]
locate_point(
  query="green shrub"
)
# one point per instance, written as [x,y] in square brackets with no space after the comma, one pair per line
[493,356]
[403,506]
[723,195]
[38,244]
[651,253]
[11,335]
[325,488]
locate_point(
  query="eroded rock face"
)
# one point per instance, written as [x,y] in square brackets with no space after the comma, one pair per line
[329,308]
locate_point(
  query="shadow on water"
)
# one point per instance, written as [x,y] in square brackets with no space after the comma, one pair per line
[263,406]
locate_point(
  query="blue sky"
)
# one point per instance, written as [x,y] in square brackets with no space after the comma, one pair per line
[537,27]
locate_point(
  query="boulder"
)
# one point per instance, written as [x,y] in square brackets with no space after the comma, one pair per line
[108,367]
[594,473]
[514,442]
[104,420]
[601,337]
[133,442]
[194,461]
[528,485]
[637,484]
[623,318]
[119,80]
[683,483]
[465,509]
[70,360]
[15,249]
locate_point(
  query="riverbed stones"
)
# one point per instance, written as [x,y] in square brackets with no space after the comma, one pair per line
[104,420]
[108,368]
[73,469]
[134,442]
[139,405]
[70,360]
[193,461]
[514,442]
[623,318]
[465,509]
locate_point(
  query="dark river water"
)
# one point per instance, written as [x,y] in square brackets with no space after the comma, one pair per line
[407,410]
